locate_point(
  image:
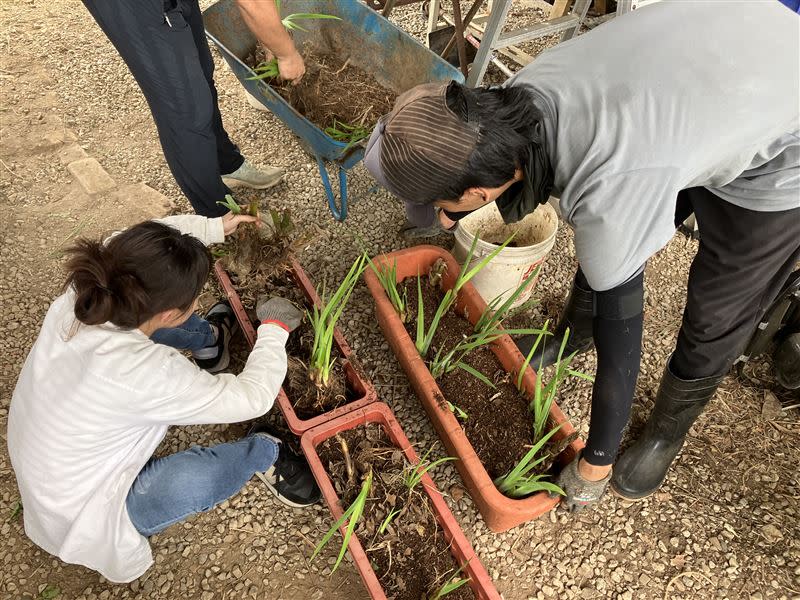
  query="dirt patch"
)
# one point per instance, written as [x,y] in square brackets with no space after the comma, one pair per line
[332,91]
[411,556]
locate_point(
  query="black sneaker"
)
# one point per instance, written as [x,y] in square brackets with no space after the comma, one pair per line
[290,478]
[216,358]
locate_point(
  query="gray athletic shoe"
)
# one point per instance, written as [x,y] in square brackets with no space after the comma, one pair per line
[249,176]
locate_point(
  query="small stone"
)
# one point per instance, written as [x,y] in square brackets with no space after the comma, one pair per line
[772,533]
[91,175]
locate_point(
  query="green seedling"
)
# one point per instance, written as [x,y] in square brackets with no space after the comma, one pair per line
[387,275]
[499,310]
[425,336]
[389,518]
[352,516]
[458,412]
[16,510]
[527,361]
[344,132]
[49,592]
[413,474]
[323,321]
[451,585]
[265,70]
[544,395]
[447,361]
[230,204]
[290,21]
[520,481]
[269,69]
[282,222]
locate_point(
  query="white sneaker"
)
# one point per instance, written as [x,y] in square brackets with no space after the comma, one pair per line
[249,176]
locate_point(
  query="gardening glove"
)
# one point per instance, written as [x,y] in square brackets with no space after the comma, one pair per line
[580,492]
[279,311]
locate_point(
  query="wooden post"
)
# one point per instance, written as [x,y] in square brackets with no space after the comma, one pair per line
[559,8]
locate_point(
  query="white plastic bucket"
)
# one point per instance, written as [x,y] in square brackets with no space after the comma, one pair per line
[535,236]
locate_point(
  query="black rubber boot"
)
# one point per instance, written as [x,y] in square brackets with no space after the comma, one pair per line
[643,467]
[577,315]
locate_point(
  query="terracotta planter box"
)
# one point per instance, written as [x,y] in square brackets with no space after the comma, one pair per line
[378,412]
[355,377]
[499,511]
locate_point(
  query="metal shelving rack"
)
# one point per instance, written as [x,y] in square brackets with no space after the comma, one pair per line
[489,27]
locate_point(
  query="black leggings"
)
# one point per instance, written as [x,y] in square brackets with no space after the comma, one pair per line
[617,332]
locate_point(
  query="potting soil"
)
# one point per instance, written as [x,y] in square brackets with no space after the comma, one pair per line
[411,557]
[332,91]
[498,424]
[258,266]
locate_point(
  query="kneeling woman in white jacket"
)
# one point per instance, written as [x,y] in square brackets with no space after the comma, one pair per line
[96,396]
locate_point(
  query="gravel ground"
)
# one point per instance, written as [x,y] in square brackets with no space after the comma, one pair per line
[724,525]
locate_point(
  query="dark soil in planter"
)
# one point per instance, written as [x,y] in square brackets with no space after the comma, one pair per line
[332,90]
[259,266]
[411,557]
[499,424]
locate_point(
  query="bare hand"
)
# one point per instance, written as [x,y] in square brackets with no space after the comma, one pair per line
[292,67]
[231,221]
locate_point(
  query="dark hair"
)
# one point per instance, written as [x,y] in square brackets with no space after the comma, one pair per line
[136,274]
[507,120]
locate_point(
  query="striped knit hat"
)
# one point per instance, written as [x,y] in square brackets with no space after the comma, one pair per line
[419,147]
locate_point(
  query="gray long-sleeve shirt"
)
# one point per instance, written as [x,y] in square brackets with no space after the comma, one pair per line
[674,95]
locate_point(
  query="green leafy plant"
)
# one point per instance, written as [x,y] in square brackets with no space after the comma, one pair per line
[458,412]
[230,204]
[290,21]
[413,474]
[281,222]
[499,310]
[520,481]
[448,361]
[544,395]
[16,510]
[387,275]
[532,351]
[389,518]
[269,69]
[49,592]
[265,70]
[425,336]
[450,586]
[345,132]
[352,515]
[323,321]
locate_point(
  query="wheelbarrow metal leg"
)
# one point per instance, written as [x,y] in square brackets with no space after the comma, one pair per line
[339,212]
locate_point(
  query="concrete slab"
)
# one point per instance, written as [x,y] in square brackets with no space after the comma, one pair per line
[91,175]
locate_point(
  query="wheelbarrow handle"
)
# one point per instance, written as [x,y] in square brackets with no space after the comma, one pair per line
[339,211]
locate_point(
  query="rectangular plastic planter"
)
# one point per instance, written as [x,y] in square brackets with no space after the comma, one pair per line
[378,412]
[499,511]
[355,377]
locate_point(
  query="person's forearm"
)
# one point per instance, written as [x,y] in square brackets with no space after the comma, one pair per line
[208,230]
[263,19]
[617,332]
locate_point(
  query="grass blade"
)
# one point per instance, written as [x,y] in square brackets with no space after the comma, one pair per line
[475,373]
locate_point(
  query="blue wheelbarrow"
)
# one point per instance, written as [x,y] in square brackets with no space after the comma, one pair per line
[372,43]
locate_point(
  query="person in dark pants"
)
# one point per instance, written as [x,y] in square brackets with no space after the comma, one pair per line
[164,45]
[634,126]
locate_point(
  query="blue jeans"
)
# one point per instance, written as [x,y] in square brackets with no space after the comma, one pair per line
[173,488]
[194,334]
